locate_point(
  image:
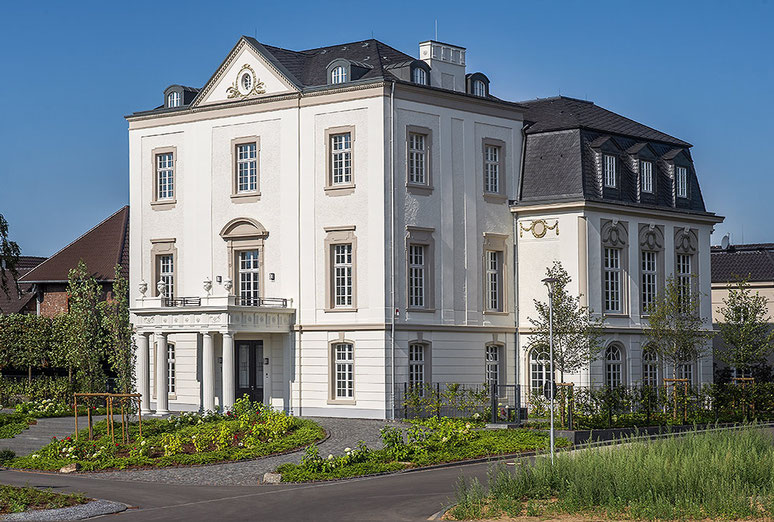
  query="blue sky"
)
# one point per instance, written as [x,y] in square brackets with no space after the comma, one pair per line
[701,71]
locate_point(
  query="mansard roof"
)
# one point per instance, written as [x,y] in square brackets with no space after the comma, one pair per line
[101,248]
[754,262]
[561,158]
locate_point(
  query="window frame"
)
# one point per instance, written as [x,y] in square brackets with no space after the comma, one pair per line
[615,235]
[651,239]
[160,248]
[333,372]
[345,188]
[424,363]
[650,368]
[171,370]
[413,186]
[607,160]
[250,195]
[337,236]
[544,375]
[498,350]
[258,278]
[165,203]
[425,75]
[643,172]
[607,281]
[174,99]
[495,243]
[618,365]
[649,286]
[343,75]
[682,194]
[478,88]
[421,236]
[498,196]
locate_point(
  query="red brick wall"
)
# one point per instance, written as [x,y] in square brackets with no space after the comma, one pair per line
[54,300]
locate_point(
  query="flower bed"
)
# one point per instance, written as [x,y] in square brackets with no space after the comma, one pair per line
[43,408]
[18,500]
[248,431]
[11,424]
[429,442]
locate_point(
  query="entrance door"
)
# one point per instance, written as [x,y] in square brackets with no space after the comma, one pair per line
[249,369]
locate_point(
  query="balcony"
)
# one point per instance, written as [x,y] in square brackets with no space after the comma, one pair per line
[213,301]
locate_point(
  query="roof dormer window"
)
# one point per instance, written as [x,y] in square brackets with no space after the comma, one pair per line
[681,176]
[477,84]
[479,88]
[419,76]
[339,74]
[173,99]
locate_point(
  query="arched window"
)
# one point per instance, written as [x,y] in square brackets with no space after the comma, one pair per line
[173,99]
[339,74]
[649,368]
[540,369]
[479,88]
[419,76]
[613,366]
[685,371]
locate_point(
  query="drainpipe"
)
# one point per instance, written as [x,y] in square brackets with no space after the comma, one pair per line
[392,251]
[298,246]
[517,365]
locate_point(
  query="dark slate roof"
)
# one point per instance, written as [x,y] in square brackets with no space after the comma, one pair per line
[752,261]
[308,68]
[15,301]
[101,248]
[563,113]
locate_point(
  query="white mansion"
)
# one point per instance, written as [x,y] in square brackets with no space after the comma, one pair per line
[316,227]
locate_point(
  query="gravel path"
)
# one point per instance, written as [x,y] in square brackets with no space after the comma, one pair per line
[92,509]
[343,433]
[38,435]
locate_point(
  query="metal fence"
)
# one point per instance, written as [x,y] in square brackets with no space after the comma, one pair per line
[493,403]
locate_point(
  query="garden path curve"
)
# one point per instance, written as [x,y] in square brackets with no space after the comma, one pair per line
[40,434]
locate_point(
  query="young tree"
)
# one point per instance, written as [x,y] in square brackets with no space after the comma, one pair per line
[9,258]
[576,332]
[676,333]
[85,328]
[118,331]
[747,335]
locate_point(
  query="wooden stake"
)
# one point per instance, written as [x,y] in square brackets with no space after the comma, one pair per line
[75,407]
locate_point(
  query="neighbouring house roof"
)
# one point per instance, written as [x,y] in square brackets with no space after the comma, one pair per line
[101,248]
[754,262]
[16,300]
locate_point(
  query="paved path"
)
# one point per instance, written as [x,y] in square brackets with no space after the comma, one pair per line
[40,434]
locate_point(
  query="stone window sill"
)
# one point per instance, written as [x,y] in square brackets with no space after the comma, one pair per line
[420,310]
[246,197]
[334,310]
[495,312]
[164,204]
[340,190]
[419,190]
[347,402]
[495,198]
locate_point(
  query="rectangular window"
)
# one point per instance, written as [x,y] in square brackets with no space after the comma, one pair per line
[494,280]
[341,159]
[492,365]
[249,277]
[344,370]
[649,273]
[171,368]
[646,176]
[417,366]
[417,159]
[492,168]
[685,371]
[416,275]
[165,176]
[682,182]
[610,174]
[684,278]
[167,274]
[612,280]
[247,167]
[342,275]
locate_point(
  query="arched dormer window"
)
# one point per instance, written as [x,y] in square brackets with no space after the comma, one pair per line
[420,73]
[613,366]
[479,89]
[338,74]
[173,99]
[478,84]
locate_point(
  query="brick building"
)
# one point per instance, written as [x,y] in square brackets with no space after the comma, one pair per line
[20,300]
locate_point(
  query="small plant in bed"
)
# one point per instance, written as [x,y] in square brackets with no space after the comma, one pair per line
[248,431]
[425,443]
[42,408]
[17,500]
[706,476]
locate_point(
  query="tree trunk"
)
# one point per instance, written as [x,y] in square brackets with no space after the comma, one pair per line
[29,375]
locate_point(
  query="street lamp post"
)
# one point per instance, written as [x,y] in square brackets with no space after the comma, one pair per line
[549,282]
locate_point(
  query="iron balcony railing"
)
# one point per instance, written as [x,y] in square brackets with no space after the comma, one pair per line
[182,301]
[266,302]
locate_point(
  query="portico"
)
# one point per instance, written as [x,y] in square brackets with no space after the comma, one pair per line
[234,347]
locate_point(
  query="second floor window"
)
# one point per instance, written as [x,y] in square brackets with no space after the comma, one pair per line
[341,159]
[649,273]
[417,365]
[416,267]
[249,277]
[165,176]
[417,160]
[610,171]
[683,274]
[491,168]
[167,274]
[612,282]
[247,167]
[494,280]
[681,176]
[646,176]
[342,275]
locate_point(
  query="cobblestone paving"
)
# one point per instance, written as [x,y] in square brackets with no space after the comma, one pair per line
[343,433]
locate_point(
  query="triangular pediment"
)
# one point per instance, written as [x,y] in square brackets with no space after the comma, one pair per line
[246,73]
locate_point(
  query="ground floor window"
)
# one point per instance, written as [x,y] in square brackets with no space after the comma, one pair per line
[685,371]
[649,368]
[540,370]
[344,370]
[492,365]
[417,366]
[171,368]
[613,366]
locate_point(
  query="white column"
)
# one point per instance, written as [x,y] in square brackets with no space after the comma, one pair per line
[208,372]
[162,374]
[229,384]
[143,371]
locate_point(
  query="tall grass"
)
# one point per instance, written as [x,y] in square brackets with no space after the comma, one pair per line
[728,474]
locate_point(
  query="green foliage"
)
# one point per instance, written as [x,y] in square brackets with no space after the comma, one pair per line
[17,500]
[576,333]
[11,424]
[15,391]
[426,401]
[677,333]
[119,345]
[9,258]
[189,438]
[6,455]
[727,474]
[747,335]
[24,341]
[85,295]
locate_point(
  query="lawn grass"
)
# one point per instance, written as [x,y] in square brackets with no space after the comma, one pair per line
[11,424]
[19,499]
[726,474]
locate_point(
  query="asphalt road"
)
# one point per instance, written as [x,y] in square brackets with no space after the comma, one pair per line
[405,496]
